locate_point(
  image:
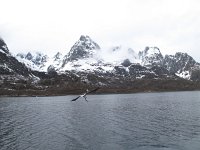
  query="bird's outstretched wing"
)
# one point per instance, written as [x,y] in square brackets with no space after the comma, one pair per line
[76,98]
[93,90]
[84,95]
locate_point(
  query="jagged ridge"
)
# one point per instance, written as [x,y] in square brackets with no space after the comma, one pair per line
[80,58]
[85,66]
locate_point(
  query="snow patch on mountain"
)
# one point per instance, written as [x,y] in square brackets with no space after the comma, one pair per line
[39,61]
[151,56]
[181,64]
[2,51]
[87,65]
[101,60]
[183,74]
[85,47]
[87,56]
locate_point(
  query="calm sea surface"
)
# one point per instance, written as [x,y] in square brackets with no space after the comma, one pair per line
[150,121]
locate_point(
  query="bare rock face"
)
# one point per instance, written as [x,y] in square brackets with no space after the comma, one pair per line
[58,56]
[38,61]
[151,56]
[195,73]
[159,70]
[85,47]
[145,71]
[183,65]
[14,76]
[179,62]
[38,58]
[126,63]
[9,65]
[3,46]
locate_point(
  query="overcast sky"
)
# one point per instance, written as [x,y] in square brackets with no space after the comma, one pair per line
[55,25]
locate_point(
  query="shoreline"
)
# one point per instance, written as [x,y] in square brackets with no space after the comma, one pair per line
[98,93]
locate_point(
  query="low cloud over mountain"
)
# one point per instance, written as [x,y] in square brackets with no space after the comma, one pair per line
[87,64]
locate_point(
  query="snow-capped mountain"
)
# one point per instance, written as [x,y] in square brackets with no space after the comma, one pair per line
[39,61]
[87,65]
[181,64]
[81,56]
[151,56]
[34,61]
[85,47]
[9,64]
[87,56]
[14,76]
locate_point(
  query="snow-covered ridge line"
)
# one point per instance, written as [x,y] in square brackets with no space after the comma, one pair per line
[39,61]
[87,56]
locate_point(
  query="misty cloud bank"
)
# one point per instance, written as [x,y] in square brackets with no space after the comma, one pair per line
[171,25]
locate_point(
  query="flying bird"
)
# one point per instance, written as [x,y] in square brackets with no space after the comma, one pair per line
[84,95]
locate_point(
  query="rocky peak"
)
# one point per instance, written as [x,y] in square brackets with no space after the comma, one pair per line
[87,42]
[126,63]
[179,62]
[184,58]
[187,60]
[29,56]
[9,65]
[85,47]
[151,56]
[170,63]
[20,55]
[57,61]
[35,57]
[58,56]
[3,47]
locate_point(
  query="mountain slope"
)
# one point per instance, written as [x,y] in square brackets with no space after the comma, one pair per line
[117,69]
[14,76]
[3,47]
[87,56]
[38,61]
[85,47]
[181,64]
[9,64]
[151,56]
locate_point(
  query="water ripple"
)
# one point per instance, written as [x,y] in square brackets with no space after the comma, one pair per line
[131,121]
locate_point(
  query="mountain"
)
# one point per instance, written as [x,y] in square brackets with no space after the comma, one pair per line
[14,75]
[151,56]
[181,64]
[38,61]
[3,47]
[82,55]
[34,61]
[9,65]
[87,56]
[86,65]
[85,47]
[195,73]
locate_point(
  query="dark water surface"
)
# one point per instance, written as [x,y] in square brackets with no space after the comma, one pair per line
[154,121]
